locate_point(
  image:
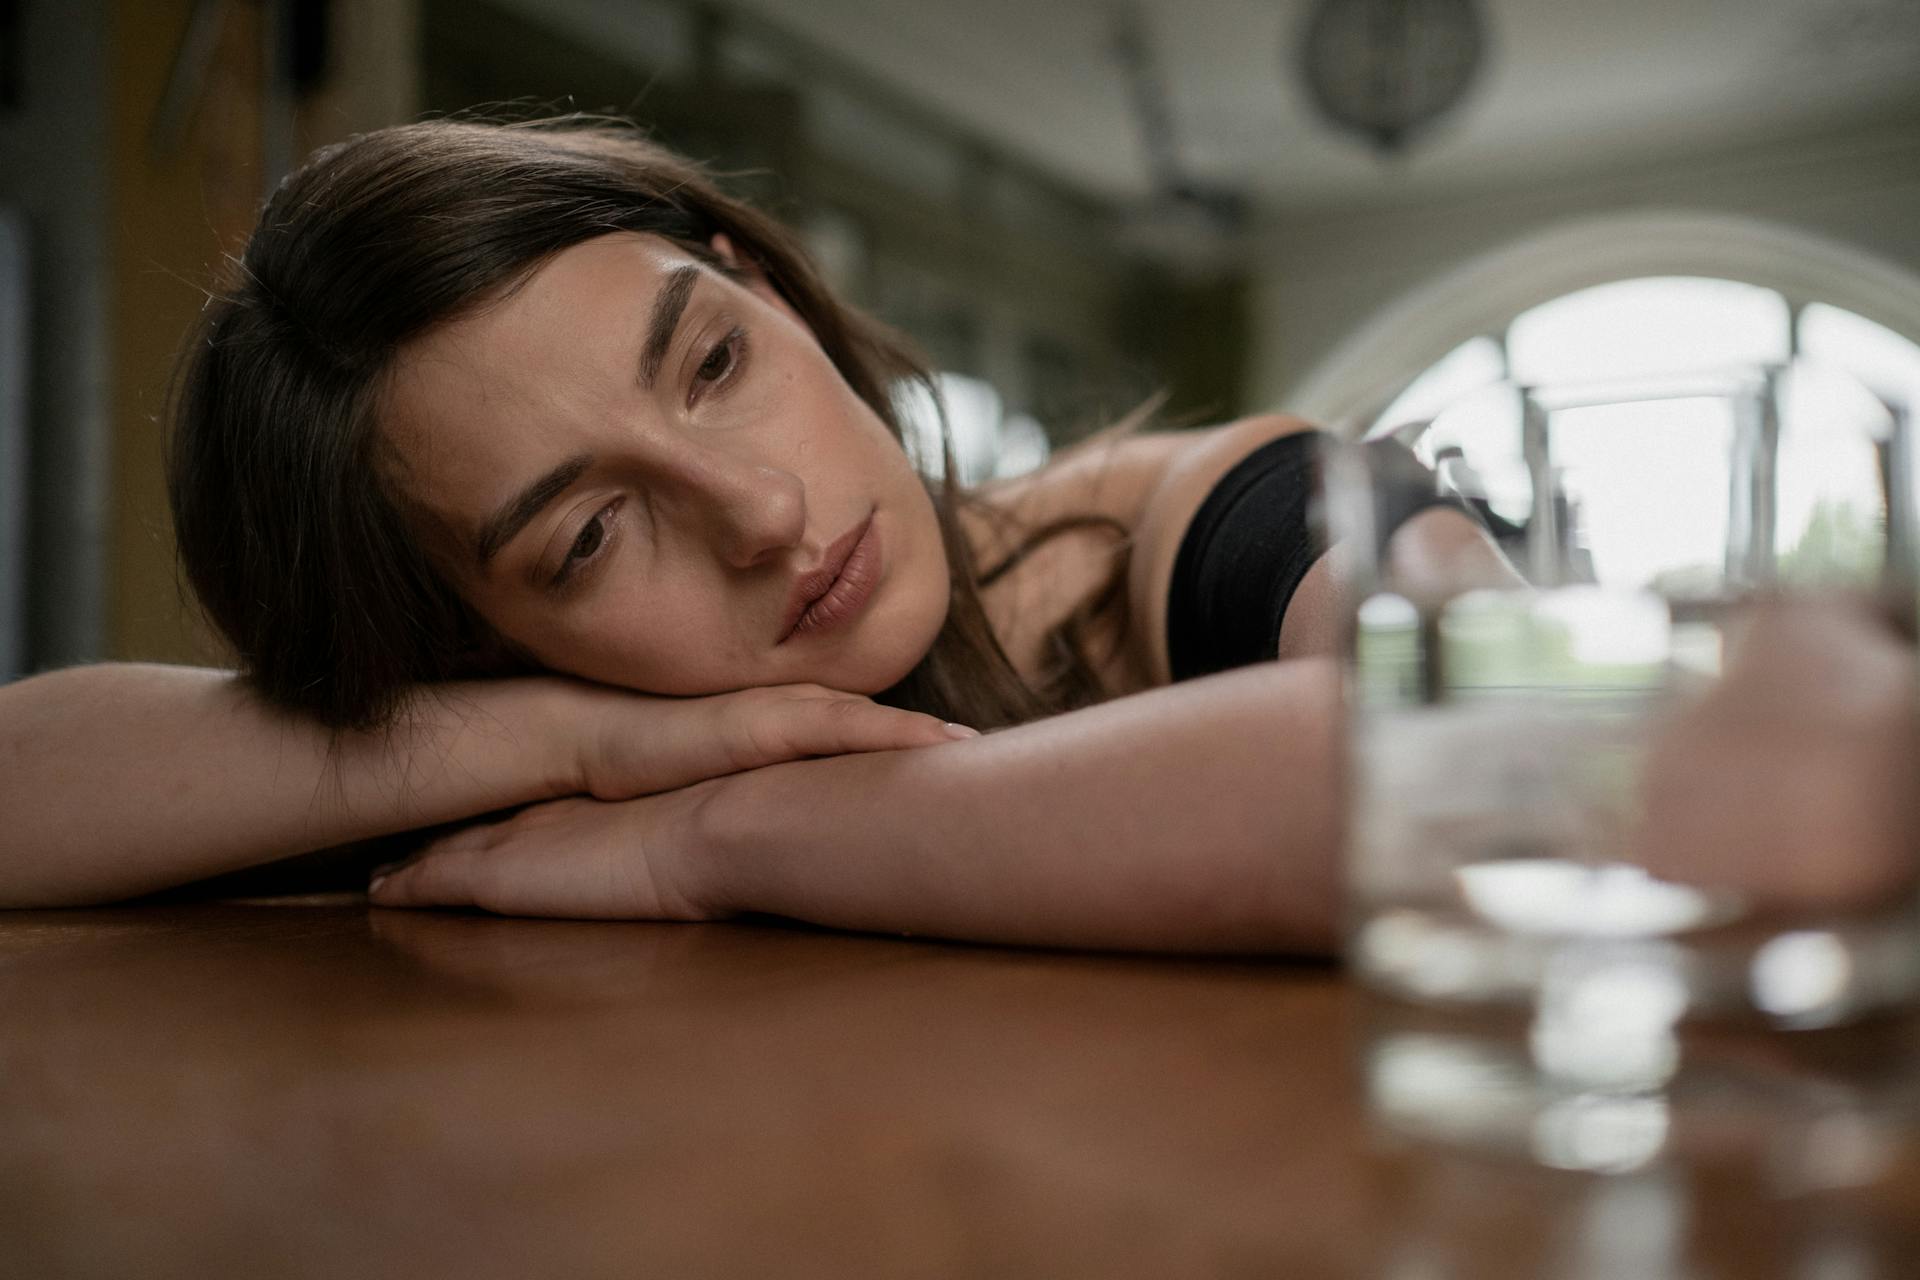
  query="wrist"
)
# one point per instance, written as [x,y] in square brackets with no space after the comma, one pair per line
[542,726]
[569,717]
[710,844]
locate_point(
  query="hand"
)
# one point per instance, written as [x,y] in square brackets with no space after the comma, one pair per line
[576,857]
[1792,783]
[636,745]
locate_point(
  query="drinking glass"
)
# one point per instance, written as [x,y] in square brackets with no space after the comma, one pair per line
[1502,705]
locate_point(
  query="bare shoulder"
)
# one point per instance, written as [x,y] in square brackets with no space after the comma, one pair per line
[1168,508]
[1148,484]
[1110,477]
[1101,485]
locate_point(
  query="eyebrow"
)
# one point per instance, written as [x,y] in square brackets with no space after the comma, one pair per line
[515,513]
[667,310]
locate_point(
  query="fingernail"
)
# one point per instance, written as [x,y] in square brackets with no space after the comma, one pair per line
[960,731]
[373,885]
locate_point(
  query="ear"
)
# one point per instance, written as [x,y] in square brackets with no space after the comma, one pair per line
[749,273]
[723,249]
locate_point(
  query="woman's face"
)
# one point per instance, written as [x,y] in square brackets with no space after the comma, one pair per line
[642,472]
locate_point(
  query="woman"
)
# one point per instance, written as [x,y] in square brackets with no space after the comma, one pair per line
[499,428]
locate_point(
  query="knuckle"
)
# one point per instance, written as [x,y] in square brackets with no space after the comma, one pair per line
[738,720]
[489,892]
[442,879]
[760,739]
[849,707]
[405,886]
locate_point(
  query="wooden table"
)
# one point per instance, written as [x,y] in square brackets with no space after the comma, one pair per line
[311,1089]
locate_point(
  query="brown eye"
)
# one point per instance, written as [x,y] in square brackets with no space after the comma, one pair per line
[718,361]
[589,540]
[585,549]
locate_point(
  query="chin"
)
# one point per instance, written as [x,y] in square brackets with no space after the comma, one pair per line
[895,644]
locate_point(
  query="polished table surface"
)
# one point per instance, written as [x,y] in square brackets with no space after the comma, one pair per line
[310,1088]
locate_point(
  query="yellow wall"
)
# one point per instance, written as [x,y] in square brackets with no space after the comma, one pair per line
[171,217]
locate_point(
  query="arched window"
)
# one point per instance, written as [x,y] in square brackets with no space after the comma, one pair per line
[1770,424]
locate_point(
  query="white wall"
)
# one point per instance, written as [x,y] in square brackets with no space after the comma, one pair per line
[1319,277]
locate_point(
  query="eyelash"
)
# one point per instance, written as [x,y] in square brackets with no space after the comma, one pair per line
[573,562]
[734,345]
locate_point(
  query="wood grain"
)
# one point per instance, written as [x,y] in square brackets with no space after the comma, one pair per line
[308,1088]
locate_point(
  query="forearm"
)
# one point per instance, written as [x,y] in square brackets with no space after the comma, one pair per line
[1199,817]
[117,780]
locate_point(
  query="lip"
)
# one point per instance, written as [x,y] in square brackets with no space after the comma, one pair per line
[834,591]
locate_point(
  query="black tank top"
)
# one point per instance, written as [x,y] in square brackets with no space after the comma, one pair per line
[1253,540]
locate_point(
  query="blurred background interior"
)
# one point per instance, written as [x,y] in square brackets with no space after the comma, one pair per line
[1358,210]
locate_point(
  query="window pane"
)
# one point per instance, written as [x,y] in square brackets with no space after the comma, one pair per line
[1873,353]
[1647,486]
[1650,327]
[1485,427]
[1830,512]
[1468,367]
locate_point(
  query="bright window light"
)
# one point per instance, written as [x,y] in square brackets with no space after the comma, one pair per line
[1485,426]
[1473,364]
[1829,507]
[1649,482]
[1885,362]
[1647,328]
[986,443]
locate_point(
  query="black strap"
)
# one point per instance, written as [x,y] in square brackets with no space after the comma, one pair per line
[1254,538]
[1243,555]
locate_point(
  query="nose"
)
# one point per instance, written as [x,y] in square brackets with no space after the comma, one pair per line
[752,512]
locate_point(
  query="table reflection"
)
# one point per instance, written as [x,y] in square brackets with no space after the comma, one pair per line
[320,1090]
[1792,1152]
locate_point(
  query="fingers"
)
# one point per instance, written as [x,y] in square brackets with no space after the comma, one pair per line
[788,722]
[441,875]
[577,858]
[1789,819]
[1790,782]
[809,720]
[649,745]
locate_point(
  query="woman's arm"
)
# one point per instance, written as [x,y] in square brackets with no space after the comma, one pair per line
[120,779]
[1204,816]
[1199,817]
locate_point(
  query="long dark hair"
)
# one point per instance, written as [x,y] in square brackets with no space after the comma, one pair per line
[289,528]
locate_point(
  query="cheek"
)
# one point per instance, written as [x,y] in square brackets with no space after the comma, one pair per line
[673,638]
[928,586]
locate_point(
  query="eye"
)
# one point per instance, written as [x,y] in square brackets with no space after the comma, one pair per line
[715,366]
[587,543]
[722,361]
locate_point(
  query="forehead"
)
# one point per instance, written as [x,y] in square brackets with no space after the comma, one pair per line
[556,312]
[473,404]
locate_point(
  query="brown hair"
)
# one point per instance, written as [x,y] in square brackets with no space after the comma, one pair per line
[289,530]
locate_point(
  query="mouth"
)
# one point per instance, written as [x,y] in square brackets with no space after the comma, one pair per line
[834,592]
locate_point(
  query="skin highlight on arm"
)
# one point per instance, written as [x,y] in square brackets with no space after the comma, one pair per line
[121,779]
[187,774]
[663,429]
[1200,817]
